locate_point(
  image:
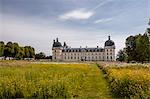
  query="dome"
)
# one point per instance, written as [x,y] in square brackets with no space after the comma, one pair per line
[57,43]
[109,42]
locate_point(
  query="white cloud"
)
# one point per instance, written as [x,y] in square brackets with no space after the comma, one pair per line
[102,20]
[77,15]
[101,4]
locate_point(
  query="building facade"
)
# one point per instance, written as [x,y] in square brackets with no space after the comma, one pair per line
[65,53]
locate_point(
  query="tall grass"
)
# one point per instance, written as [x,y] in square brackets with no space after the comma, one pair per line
[128,81]
[52,81]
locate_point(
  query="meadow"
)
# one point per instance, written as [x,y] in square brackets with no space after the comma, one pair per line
[128,80]
[22,79]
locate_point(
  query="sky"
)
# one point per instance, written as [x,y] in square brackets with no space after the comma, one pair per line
[77,22]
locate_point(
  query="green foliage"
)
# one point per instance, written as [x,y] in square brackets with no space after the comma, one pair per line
[15,51]
[9,50]
[2,46]
[40,55]
[122,56]
[29,52]
[138,48]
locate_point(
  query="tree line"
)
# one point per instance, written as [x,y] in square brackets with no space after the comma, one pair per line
[137,49]
[15,51]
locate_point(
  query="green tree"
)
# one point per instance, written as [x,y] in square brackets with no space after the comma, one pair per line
[16,50]
[21,53]
[26,52]
[122,56]
[2,46]
[9,50]
[29,52]
[32,52]
[130,48]
[40,55]
[137,48]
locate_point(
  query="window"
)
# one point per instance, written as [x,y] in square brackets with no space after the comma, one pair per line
[111,57]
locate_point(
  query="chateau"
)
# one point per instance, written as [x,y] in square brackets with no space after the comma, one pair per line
[65,53]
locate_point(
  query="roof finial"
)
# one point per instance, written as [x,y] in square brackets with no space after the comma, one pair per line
[57,39]
[53,41]
[65,44]
[109,37]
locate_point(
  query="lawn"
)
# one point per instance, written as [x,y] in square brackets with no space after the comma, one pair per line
[38,80]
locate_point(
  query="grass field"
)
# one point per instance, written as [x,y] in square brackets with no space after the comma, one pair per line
[22,79]
[106,80]
[128,80]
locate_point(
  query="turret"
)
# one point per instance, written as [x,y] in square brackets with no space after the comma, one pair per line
[109,48]
[65,45]
[56,50]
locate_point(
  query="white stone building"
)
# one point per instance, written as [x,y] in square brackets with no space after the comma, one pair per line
[64,53]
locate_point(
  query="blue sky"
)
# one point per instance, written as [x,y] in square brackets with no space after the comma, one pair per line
[78,22]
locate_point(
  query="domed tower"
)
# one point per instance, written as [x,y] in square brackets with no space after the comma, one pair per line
[109,48]
[56,50]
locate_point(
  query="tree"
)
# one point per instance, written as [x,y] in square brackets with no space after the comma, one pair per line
[121,55]
[26,51]
[2,46]
[32,52]
[16,50]
[40,55]
[9,50]
[130,48]
[21,53]
[29,52]
[138,48]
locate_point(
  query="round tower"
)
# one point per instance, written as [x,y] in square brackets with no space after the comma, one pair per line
[56,50]
[109,48]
